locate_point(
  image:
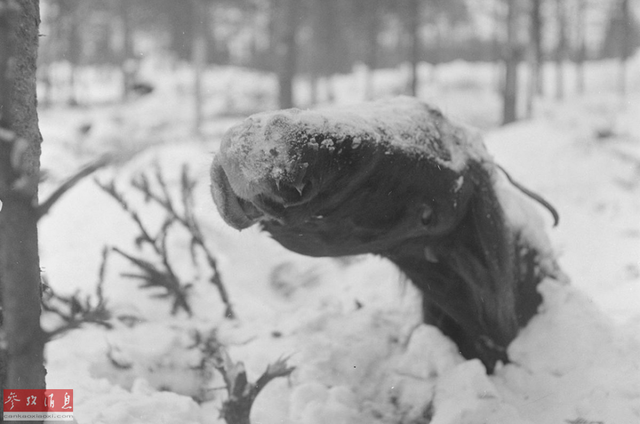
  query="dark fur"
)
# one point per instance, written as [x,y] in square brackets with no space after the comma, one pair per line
[445,229]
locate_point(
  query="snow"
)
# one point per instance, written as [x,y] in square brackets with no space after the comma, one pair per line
[352,326]
[595,190]
[529,222]
[264,140]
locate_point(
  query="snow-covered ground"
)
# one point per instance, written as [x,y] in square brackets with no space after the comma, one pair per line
[351,327]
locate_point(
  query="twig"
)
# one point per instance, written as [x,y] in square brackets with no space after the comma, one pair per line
[85,171]
[241,394]
[76,312]
[187,220]
[163,275]
[152,275]
[165,278]
[145,236]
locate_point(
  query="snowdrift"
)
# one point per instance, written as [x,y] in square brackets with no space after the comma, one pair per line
[352,327]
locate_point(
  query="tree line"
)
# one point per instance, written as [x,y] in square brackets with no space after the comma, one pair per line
[319,38]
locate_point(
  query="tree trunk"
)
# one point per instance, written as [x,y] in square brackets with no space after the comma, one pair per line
[535,56]
[414,40]
[561,48]
[371,47]
[199,59]
[289,11]
[74,48]
[327,41]
[181,28]
[510,89]
[19,262]
[497,52]
[580,40]
[126,66]
[536,39]
[438,54]
[625,48]
[314,81]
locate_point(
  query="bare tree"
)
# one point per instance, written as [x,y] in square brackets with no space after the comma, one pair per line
[326,43]
[581,52]
[19,172]
[288,13]
[199,59]
[537,26]
[497,48]
[126,54]
[534,87]
[510,88]
[581,47]
[372,23]
[413,18]
[561,47]
[70,14]
[625,48]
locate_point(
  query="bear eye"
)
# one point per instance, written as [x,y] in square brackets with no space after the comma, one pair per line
[426,217]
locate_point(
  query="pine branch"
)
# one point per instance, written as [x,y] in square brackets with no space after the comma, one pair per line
[187,219]
[236,409]
[160,277]
[145,236]
[275,370]
[74,311]
[156,190]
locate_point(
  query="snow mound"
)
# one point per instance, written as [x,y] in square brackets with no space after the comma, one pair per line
[98,400]
[362,367]
[570,364]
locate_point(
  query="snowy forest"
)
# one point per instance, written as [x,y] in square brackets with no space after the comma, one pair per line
[136,137]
